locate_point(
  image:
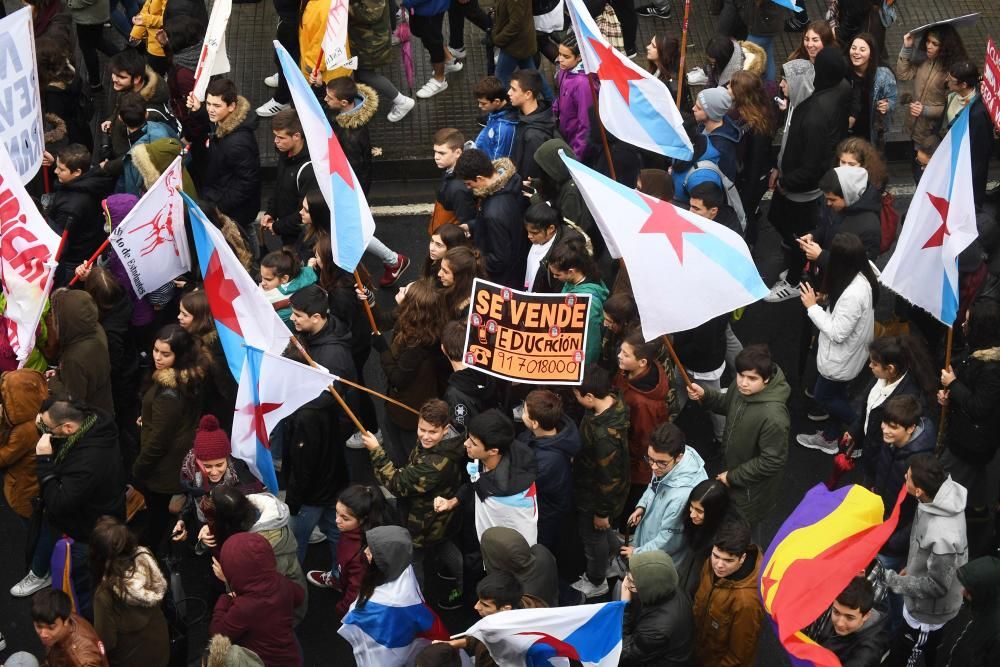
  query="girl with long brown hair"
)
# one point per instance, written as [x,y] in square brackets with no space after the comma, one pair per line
[757,126]
[459,267]
[817,36]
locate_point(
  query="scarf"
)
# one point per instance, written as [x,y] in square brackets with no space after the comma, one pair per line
[87,424]
[187,57]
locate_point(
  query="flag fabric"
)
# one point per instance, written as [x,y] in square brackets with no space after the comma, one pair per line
[241,312]
[151,241]
[940,224]
[28,249]
[634,105]
[351,222]
[335,38]
[271,388]
[819,549]
[708,267]
[213,58]
[518,510]
[394,624]
[789,4]
[21,130]
[590,634]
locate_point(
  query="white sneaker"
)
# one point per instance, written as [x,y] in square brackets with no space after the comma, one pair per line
[271,107]
[400,109]
[30,585]
[431,88]
[590,590]
[697,77]
[394,39]
[452,66]
[782,291]
[818,441]
[317,536]
[457,53]
[354,442]
[783,275]
[271,81]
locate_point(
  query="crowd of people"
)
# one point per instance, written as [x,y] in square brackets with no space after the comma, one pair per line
[115,446]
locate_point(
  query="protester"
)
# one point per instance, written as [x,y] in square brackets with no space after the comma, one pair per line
[874,91]
[68,638]
[855,631]
[453,204]
[707,507]
[573,107]
[658,627]
[977,646]
[571,264]
[505,550]
[460,266]
[496,139]
[468,391]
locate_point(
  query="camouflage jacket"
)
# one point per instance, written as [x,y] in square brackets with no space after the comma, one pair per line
[600,470]
[428,473]
[369,33]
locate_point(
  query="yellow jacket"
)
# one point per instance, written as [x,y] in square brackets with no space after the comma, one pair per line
[152,22]
[311,31]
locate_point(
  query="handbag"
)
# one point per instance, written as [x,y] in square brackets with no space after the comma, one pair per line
[889,219]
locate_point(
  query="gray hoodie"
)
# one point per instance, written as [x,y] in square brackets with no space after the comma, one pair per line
[931,590]
[392,550]
[800,75]
[272,524]
[853,183]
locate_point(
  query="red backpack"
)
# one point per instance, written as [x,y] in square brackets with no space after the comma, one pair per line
[890,222]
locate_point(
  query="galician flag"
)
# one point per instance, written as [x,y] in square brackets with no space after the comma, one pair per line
[589,634]
[940,224]
[351,222]
[794,5]
[271,388]
[150,241]
[241,312]
[706,267]
[634,105]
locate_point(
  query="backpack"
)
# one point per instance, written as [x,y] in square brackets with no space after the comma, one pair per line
[732,195]
[890,222]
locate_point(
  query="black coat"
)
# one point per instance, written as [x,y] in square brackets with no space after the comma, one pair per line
[123,356]
[499,229]
[890,477]
[230,176]
[532,131]
[703,349]
[981,146]
[70,105]
[863,648]
[468,393]
[818,124]
[453,196]
[659,634]
[544,280]
[862,218]
[869,438]
[76,206]
[351,128]
[86,484]
[973,417]
[295,177]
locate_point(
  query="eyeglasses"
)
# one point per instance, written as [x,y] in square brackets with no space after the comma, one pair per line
[655,463]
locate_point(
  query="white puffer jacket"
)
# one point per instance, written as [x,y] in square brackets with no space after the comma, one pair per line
[846,332]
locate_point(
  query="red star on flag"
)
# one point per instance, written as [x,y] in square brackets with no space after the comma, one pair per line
[664,219]
[221,292]
[613,69]
[338,161]
[259,426]
[767,582]
[937,238]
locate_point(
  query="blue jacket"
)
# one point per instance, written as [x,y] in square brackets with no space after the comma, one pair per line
[427,7]
[726,139]
[890,477]
[662,525]
[497,138]
[554,460]
[685,180]
[131,180]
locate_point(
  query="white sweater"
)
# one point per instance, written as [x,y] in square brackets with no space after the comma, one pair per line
[846,332]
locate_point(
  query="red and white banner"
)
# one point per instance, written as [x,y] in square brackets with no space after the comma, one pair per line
[335,38]
[213,59]
[991,83]
[28,248]
[150,241]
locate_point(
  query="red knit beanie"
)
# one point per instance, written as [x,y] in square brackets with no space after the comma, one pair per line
[210,441]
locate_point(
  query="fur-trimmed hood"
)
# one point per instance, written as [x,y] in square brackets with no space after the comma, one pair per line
[171,378]
[223,653]
[506,170]
[746,56]
[242,114]
[55,128]
[152,159]
[155,87]
[145,585]
[988,354]
[366,105]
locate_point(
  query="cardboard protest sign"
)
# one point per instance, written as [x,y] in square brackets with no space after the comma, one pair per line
[21,128]
[991,83]
[956,22]
[527,337]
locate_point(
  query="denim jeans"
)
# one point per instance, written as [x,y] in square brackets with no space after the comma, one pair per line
[598,547]
[309,517]
[832,396]
[506,64]
[766,42]
[895,600]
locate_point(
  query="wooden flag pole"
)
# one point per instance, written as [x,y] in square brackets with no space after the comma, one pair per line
[684,41]
[604,134]
[368,309]
[331,388]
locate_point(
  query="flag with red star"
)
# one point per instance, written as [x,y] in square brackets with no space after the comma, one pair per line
[819,549]
[707,266]
[634,105]
[271,388]
[351,223]
[940,224]
[241,312]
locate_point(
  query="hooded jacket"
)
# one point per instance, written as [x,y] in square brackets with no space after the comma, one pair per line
[514,29]
[352,564]
[647,409]
[861,216]
[123,358]
[890,476]
[151,158]
[513,476]
[930,86]
[76,206]
[746,56]
[973,420]
[84,482]
[598,293]
[454,203]
[499,228]
[295,177]
[554,478]
[369,33]
[273,524]
[230,171]
[259,613]
[867,428]
[808,142]
[156,95]
[428,473]
[223,653]
[505,550]
[938,547]
[728,614]
[862,648]
[662,524]
[978,645]
[572,108]
[497,138]
[392,550]
[22,392]
[658,627]
[351,128]
[601,470]
[533,130]
[845,331]
[570,202]
[131,179]
[726,139]
[754,443]
[130,620]
[469,392]
[412,377]
[171,408]
[84,365]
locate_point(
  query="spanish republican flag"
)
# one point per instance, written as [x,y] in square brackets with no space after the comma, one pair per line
[829,538]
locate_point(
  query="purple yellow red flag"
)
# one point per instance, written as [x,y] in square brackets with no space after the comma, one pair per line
[827,540]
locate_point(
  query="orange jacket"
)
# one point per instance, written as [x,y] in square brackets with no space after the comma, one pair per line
[727,617]
[22,392]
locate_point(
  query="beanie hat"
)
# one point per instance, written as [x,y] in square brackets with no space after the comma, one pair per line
[493,428]
[716,102]
[654,575]
[21,659]
[210,441]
